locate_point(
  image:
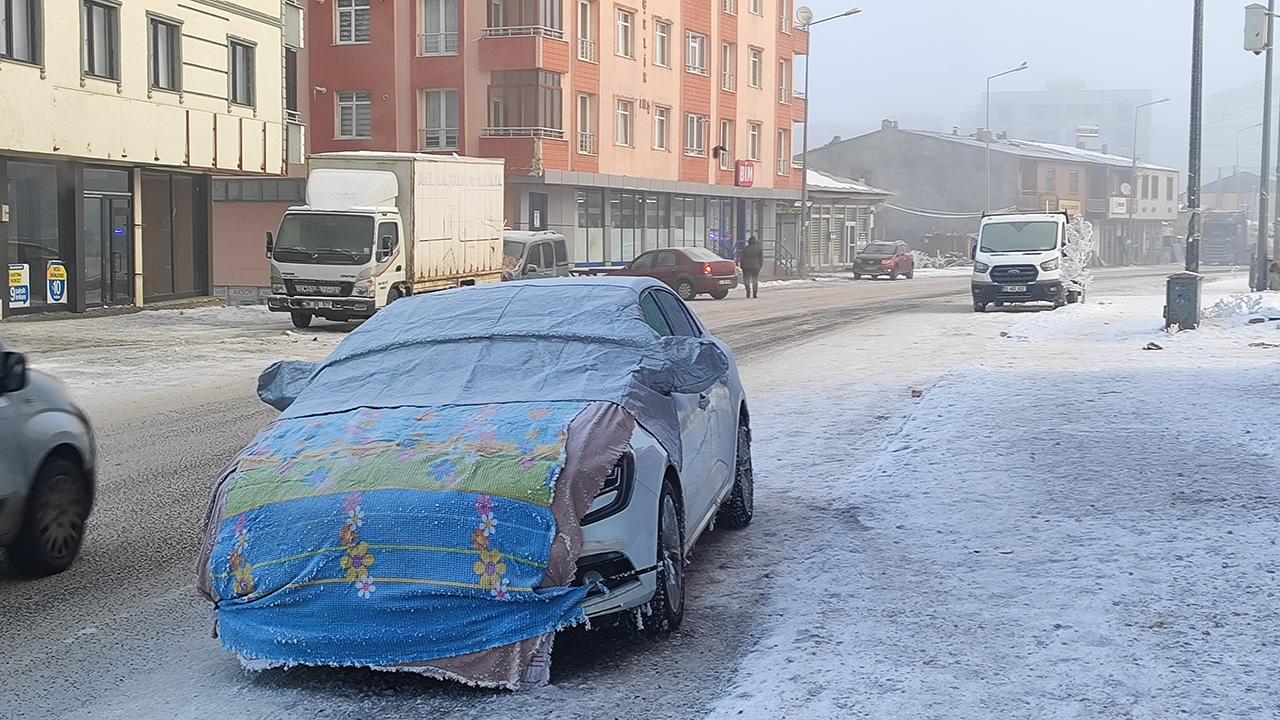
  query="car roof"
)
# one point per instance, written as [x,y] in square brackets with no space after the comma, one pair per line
[531,235]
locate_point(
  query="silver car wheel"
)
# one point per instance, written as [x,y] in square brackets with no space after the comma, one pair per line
[672,554]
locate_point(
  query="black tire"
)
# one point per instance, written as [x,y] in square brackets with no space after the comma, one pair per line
[668,599]
[301,320]
[54,522]
[719,294]
[738,509]
[893,274]
[685,290]
[979,307]
[857,276]
[911,273]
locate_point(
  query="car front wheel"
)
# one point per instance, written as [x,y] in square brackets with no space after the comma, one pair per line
[685,290]
[737,511]
[668,600]
[54,523]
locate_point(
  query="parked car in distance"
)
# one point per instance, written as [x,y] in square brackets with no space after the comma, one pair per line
[529,255]
[690,271]
[885,258]
[46,470]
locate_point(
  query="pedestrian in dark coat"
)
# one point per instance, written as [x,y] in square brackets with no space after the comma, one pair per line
[752,260]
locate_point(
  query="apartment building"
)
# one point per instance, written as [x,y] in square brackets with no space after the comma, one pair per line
[114,117]
[625,125]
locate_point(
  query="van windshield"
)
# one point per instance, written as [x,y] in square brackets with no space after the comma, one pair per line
[324,239]
[1033,236]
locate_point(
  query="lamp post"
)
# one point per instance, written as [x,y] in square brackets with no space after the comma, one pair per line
[805,21]
[1133,176]
[1259,38]
[987,128]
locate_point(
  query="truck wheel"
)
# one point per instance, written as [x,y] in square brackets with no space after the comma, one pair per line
[685,290]
[857,275]
[301,320]
[54,524]
[979,307]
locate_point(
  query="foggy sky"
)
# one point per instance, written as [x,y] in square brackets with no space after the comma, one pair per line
[932,57]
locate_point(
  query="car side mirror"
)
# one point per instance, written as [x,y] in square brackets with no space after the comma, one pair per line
[13,372]
[531,269]
[271,243]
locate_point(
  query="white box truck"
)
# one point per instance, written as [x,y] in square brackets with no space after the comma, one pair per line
[379,226]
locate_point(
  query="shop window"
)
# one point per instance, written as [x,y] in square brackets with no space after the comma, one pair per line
[33,226]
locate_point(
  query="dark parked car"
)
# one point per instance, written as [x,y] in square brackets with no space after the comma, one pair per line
[690,271]
[885,258]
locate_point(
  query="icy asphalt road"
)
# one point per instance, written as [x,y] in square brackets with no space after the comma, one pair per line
[124,635]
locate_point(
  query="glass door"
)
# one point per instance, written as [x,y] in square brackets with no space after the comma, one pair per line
[108,251]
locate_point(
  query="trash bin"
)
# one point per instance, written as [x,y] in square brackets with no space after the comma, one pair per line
[1182,300]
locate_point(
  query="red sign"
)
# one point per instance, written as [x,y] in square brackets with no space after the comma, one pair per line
[746,176]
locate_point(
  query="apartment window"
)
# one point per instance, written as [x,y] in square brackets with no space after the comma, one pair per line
[622,128]
[241,72]
[353,21]
[784,152]
[440,120]
[661,123]
[728,67]
[757,7]
[726,144]
[526,99]
[784,16]
[1073,182]
[440,27]
[166,55]
[695,135]
[586,32]
[695,59]
[784,82]
[1051,180]
[543,15]
[101,51]
[20,30]
[753,140]
[662,44]
[755,67]
[625,41]
[586,125]
[1168,188]
[730,7]
[355,115]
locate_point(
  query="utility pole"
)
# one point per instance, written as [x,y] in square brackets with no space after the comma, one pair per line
[987,128]
[1193,160]
[1258,33]
[1133,178]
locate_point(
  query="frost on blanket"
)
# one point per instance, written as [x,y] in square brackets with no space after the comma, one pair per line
[392,537]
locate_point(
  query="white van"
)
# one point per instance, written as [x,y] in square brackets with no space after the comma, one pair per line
[1017,258]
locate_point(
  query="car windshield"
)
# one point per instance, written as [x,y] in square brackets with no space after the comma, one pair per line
[1031,236]
[698,254]
[513,249]
[325,239]
[879,249]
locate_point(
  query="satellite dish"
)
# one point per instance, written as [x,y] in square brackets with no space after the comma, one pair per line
[1126,188]
[804,16]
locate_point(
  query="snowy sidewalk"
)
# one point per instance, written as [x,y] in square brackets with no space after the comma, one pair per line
[1064,525]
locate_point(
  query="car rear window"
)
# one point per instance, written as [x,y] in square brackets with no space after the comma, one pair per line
[698,254]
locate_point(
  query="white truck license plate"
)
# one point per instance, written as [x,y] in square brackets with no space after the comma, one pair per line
[1013,288]
[316,304]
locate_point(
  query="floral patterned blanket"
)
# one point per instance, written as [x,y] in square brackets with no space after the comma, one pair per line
[383,537]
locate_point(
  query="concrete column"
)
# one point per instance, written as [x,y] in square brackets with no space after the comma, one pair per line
[135,178]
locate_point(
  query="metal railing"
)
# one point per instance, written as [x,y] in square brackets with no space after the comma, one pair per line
[437,139]
[797,164]
[784,261]
[784,95]
[784,166]
[728,82]
[586,143]
[523,31]
[730,6]
[293,116]
[587,50]
[523,132]
[798,94]
[443,43]
[695,69]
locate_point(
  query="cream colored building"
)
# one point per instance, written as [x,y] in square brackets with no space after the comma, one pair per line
[113,116]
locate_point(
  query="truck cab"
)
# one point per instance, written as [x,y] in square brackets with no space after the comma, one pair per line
[1017,258]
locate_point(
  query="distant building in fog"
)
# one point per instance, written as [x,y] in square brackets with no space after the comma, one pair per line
[1056,114]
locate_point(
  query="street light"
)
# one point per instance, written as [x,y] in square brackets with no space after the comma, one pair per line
[987,127]
[805,21]
[1133,177]
[1258,38]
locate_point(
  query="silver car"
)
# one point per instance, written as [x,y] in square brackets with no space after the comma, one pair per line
[46,470]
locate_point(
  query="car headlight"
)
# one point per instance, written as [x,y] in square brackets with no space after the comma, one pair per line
[615,492]
[980,267]
[1048,265]
[278,288]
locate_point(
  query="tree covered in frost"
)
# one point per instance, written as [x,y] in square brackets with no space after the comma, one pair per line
[1077,253]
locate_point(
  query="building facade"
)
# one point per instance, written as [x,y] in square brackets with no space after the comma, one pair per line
[624,125]
[939,182]
[116,115]
[1058,113]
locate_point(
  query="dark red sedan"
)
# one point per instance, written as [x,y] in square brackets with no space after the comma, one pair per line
[690,271]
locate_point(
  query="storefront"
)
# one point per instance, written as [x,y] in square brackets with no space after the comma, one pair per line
[75,236]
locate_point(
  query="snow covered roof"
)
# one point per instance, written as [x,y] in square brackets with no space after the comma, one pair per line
[823,182]
[1040,150]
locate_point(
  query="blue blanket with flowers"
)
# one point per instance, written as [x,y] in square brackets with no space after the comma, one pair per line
[381,537]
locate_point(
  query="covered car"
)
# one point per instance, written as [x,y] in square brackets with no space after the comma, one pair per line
[473,470]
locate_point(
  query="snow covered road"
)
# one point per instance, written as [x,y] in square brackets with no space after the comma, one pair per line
[964,554]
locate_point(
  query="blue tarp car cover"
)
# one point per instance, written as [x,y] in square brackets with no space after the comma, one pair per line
[544,341]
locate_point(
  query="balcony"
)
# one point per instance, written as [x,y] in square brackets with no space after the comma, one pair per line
[523,132]
[528,151]
[588,51]
[800,42]
[525,47]
[587,143]
[437,139]
[435,44]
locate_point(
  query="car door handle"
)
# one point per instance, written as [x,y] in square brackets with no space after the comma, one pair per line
[704,401]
